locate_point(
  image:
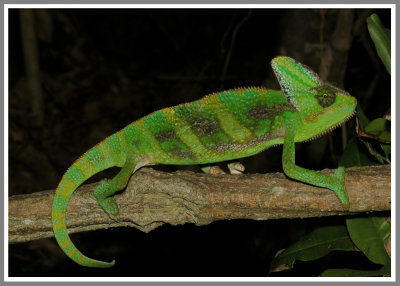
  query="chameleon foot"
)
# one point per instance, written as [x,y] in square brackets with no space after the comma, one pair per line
[108,204]
[213,170]
[340,189]
[236,168]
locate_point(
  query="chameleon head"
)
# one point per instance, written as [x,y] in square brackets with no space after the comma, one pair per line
[321,105]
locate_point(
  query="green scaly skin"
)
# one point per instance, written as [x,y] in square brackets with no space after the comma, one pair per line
[222,126]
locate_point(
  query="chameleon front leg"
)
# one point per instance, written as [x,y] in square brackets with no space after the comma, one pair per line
[334,183]
[103,193]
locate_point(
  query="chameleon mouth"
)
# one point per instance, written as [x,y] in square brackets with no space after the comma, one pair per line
[314,117]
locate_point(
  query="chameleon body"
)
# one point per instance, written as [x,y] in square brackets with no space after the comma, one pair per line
[222,126]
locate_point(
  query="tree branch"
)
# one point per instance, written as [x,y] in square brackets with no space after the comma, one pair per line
[153,198]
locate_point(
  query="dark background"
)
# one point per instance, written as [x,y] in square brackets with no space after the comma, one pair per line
[101,69]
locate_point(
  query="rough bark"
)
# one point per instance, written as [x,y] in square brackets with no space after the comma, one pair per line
[153,198]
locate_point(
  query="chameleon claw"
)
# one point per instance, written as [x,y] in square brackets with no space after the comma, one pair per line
[236,168]
[212,170]
[114,217]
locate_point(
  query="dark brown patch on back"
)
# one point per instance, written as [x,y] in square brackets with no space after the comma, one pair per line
[166,135]
[136,143]
[263,112]
[204,126]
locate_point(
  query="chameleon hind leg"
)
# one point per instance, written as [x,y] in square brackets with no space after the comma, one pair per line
[233,167]
[334,183]
[236,168]
[107,188]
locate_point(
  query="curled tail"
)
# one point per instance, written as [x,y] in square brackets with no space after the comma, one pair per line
[100,157]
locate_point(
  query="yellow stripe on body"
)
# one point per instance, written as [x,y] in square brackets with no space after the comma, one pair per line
[66,188]
[58,218]
[228,122]
[85,166]
[156,154]
[104,150]
[65,243]
[72,252]
[187,136]
[122,142]
[82,259]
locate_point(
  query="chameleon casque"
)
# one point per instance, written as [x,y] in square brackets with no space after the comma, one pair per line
[221,126]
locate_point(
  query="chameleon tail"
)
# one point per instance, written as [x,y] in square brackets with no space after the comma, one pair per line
[99,158]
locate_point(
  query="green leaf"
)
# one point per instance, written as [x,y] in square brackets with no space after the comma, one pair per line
[369,234]
[381,38]
[375,126]
[354,156]
[313,246]
[344,272]
[376,154]
[387,150]
[379,128]
[362,119]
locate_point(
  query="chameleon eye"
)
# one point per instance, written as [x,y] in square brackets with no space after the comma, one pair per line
[325,97]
